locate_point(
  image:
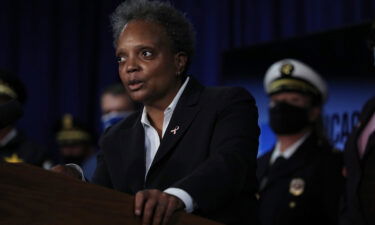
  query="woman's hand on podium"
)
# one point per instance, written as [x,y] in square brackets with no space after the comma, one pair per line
[156,207]
[69,170]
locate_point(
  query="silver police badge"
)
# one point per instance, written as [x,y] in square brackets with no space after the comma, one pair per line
[297,186]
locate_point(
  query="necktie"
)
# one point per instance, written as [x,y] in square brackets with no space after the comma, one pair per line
[278,163]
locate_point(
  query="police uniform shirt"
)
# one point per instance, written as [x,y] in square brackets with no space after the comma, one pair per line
[288,152]
[304,188]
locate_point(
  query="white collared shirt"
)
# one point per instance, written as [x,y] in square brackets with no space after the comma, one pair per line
[152,143]
[289,151]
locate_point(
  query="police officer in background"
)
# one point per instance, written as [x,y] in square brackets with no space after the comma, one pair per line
[76,143]
[300,179]
[116,105]
[15,147]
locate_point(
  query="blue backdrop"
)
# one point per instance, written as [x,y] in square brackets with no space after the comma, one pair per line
[62,49]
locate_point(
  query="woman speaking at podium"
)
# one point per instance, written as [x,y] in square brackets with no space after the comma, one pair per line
[190,147]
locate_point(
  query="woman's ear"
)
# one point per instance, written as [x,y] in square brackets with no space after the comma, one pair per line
[180,62]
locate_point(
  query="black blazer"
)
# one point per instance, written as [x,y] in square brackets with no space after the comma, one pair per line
[317,202]
[212,156]
[352,210]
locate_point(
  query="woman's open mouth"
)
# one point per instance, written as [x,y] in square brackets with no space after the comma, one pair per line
[135,85]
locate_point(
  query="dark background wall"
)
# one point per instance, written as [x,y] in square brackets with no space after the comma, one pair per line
[62,49]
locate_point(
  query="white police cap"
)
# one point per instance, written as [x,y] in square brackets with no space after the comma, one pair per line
[294,75]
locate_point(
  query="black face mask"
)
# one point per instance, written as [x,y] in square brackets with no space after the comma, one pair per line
[10,112]
[288,119]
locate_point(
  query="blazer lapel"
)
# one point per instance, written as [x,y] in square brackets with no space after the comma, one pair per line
[370,145]
[365,117]
[130,155]
[263,167]
[354,147]
[183,115]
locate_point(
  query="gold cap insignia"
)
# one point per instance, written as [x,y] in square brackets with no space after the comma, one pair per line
[71,134]
[67,122]
[5,89]
[286,69]
[13,159]
[297,186]
[292,205]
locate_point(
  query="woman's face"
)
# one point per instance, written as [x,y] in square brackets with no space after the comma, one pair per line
[148,67]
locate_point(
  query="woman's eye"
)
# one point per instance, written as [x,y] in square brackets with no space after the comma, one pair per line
[120,59]
[146,53]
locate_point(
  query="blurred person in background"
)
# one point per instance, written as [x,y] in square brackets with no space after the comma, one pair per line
[15,147]
[359,159]
[300,179]
[76,145]
[116,105]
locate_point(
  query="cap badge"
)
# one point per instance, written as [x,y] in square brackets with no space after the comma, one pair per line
[67,122]
[13,159]
[287,69]
[297,186]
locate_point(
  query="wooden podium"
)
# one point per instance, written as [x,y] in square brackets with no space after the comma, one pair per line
[30,195]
